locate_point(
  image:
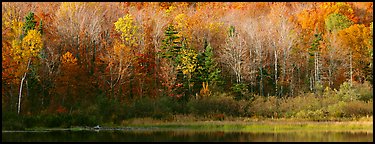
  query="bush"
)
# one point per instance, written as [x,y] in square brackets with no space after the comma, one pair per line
[264,106]
[32,121]
[53,121]
[142,108]
[12,121]
[241,92]
[364,91]
[210,106]
[358,108]
[165,107]
[336,110]
[312,115]
[347,92]
[83,120]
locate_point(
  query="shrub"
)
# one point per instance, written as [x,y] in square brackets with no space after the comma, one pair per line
[336,110]
[215,105]
[83,120]
[52,121]
[364,91]
[264,106]
[347,92]
[165,107]
[241,92]
[312,115]
[142,108]
[12,121]
[358,108]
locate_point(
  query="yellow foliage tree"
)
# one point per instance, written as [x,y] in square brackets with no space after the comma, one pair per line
[126,26]
[24,51]
[356,39]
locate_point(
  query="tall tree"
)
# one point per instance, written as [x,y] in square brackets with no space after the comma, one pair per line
[25,49]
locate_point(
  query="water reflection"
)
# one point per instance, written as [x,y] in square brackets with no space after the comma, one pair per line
[182,135]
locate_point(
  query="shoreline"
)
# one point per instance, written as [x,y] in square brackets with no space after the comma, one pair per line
[268,125]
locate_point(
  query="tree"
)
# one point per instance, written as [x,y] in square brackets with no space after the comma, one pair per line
[334,23]
[187,64]
[233,52]
[282,36]
[170,50]
[68,83]
[128,29]
[25,49]
[119,59]
[356,39]
[207,68]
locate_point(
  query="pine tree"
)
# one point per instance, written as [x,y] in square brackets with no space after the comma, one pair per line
[208,72]
[29,23]
[171,44]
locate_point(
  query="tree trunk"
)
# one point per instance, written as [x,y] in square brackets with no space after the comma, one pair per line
[351,69]
[261,72]
[21,84]
[284,71]
[291,81]
[275,71]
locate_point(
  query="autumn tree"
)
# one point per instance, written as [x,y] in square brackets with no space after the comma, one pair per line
[334,23]
[67,86]
[356,38]
[26,48]
[119,57]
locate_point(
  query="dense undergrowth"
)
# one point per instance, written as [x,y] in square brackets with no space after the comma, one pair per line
[329,105]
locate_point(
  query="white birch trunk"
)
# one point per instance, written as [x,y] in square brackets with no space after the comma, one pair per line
[21,84]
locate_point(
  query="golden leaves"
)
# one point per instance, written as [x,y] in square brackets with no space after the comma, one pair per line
[188,61]
[357,38]
[32,43]
[28,47]
[126,25]
[16,28]
[215,26]
[181,20]
[68,58]
[170,9]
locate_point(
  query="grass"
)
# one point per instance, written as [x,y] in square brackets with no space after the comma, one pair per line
[191,123]
[263,127]
[252,125]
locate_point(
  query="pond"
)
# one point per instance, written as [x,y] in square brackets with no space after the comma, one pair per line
[180,135]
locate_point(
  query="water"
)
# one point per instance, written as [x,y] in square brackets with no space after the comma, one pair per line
[180,135]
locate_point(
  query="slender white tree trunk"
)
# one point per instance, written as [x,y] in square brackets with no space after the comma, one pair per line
[351,69]
[275,70]
[21,84]
[284,71]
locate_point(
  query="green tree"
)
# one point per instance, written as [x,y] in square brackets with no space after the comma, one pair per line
[208,71]
[170,50]
[335,22]
[171,45]
[29,24]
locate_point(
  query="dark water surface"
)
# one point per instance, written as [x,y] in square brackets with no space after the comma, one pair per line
[179,135]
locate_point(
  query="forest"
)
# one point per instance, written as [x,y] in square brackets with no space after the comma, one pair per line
[87,63]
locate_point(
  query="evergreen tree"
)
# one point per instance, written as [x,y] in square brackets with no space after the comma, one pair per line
[171,45]
[208,72]
[29,24]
